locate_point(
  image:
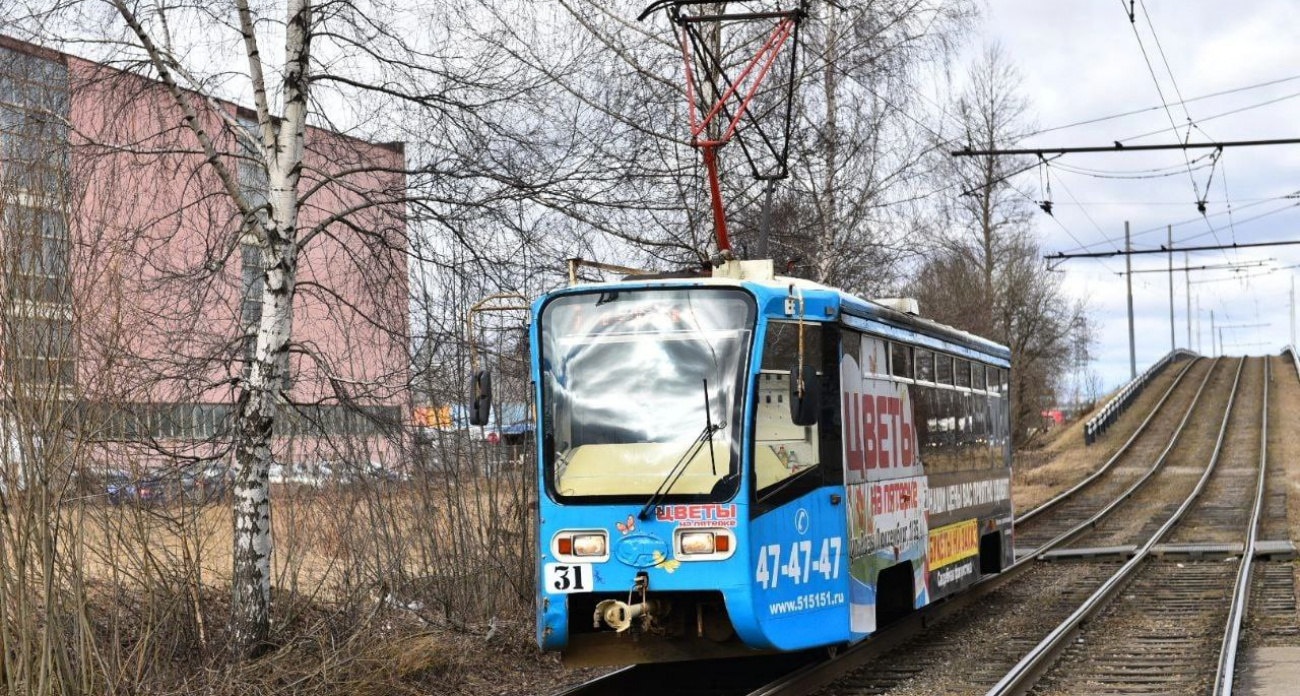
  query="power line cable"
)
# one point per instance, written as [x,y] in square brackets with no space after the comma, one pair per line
[1160,47]
[1083,210]
[1191,123]
[1189,221]
[1160,92]
[1160,173]
[1135,112]
[1219,115]
[1060,224]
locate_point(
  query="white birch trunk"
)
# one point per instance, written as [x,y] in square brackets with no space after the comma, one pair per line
[259,403]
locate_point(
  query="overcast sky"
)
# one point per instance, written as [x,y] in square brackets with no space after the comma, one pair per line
[1080,59]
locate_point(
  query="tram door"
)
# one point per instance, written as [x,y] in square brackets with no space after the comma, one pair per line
[799,544]
[884,485]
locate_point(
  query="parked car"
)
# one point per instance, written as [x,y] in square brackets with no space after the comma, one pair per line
[122,487]
[279,473]
[377,472]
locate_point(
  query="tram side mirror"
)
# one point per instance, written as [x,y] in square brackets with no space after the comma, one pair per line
[480,407]
[803,411]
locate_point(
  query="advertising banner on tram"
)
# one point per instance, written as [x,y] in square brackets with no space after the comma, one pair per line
[887,493]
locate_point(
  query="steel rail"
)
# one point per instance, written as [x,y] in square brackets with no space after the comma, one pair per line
[1021,678]
[1224,676]
[1030,514]
[1092,521]
[596,682]
[808,679]
[817,674]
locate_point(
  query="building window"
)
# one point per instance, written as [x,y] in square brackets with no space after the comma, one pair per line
[38,336]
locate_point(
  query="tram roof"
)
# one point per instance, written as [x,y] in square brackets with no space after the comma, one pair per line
[862,313]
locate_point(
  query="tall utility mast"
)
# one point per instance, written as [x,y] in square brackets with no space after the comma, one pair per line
[1173,343]
[1132,337]
[1187,280]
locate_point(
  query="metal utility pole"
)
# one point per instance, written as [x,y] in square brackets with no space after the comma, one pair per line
[1187,277]
[1292,311]
[1200,342]
[1212,333]
[1173,344]
[1132,337]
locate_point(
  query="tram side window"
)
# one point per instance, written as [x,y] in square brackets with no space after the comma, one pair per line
[943,369]
[962,373]
[783,449]
[977,376]
[1002,382]
[900,360]
[924,365]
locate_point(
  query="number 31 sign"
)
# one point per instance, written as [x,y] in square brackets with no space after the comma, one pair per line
[567,578]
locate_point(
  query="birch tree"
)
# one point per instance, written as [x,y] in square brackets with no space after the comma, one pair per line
[278,144]
[353,67]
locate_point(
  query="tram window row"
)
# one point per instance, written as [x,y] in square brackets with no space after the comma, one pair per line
[922,365]
[960,406]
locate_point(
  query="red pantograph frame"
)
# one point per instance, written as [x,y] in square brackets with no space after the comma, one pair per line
[766,55]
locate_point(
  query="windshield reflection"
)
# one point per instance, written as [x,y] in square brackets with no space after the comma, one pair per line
[623,379]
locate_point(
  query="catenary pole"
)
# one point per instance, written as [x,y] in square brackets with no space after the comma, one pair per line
[1293,311]
[1187,276]
[1212,353]
[1173,344]
[1132,337]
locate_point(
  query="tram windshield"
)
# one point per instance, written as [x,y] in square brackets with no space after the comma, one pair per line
[626,376]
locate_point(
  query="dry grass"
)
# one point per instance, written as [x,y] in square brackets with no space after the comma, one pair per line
[1059,463]
[379,587]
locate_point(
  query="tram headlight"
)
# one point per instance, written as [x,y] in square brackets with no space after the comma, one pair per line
[588,545]
[581,545]
[704,544]
[698,543]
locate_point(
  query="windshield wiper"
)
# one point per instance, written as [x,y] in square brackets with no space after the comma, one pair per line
[692,450]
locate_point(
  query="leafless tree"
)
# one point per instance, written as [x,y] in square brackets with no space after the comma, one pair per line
[617,150]
[985,273]
[267,189]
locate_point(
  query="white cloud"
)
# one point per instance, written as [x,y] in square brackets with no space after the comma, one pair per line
[1080,60]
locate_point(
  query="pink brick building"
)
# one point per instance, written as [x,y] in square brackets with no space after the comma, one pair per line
[132,286]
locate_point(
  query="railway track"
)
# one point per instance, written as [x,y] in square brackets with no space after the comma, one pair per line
[1137,515]
[1159,625]
[1126,470]
[976,640]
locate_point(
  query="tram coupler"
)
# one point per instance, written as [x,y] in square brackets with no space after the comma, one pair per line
[620,615]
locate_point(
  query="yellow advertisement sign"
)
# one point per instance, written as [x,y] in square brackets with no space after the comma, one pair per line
[433,416]
[954,542]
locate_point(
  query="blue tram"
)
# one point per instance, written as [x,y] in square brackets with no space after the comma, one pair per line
[745,462]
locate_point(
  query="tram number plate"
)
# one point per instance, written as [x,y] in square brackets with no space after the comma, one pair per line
[567,578]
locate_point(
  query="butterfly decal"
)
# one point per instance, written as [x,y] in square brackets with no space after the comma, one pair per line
[662,562]
[626,528]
